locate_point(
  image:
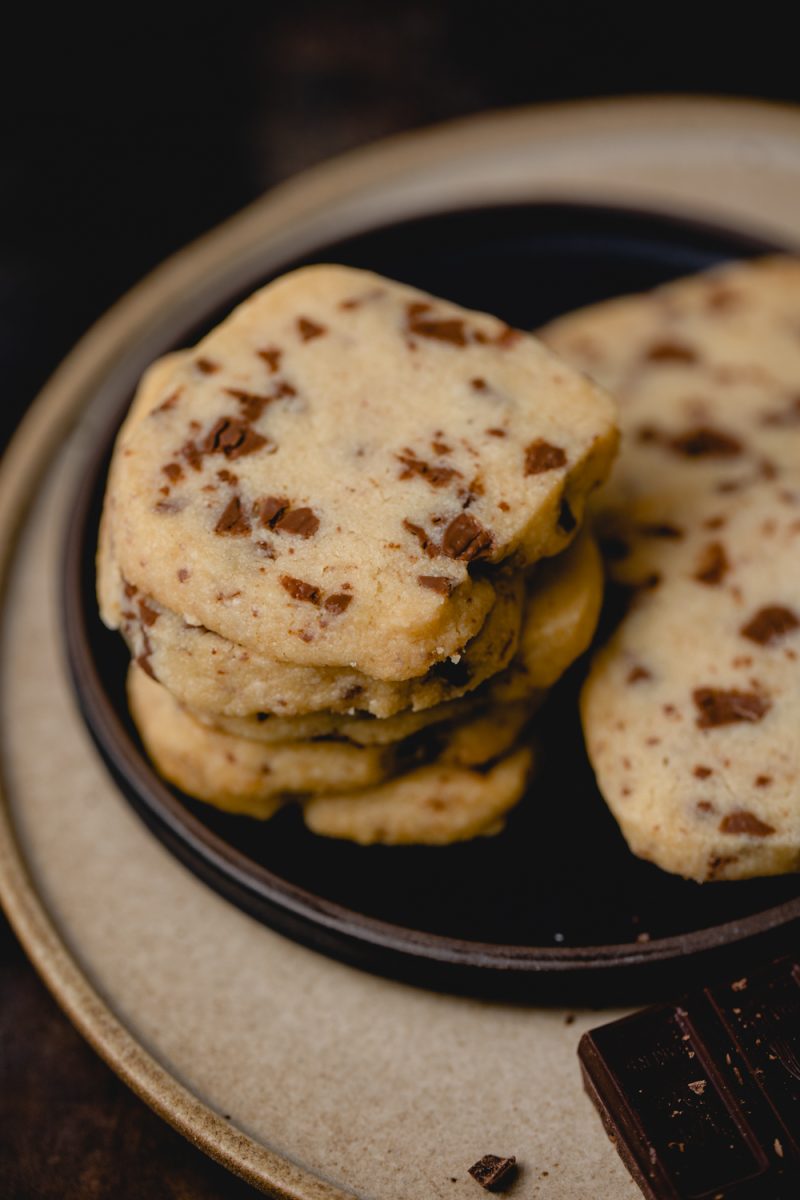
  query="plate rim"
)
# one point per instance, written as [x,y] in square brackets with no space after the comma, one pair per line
[32,449]
[258,890]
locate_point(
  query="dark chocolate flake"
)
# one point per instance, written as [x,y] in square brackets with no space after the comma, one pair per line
[636,674]
[252,403]
[770,625]
[271,355]
[712,565]
[670,350]
[233,438]
[269,509]
[337,603]
[437,475]
[173,471]
[149,615]
[309,329]
[170,402]
[493,1173]
[541,456]
[419,533]
[233,520]
[742,821]
[719,707]
[298,589]
[443,329]
[704,442]
[437,583]
[466,539]
[206,366]
[302,522]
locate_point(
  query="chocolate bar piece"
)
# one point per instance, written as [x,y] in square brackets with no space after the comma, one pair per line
[702,1097]
[494,1173]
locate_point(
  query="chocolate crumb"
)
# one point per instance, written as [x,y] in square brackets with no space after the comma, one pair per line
[701,772]
[493,1173]
[637,673]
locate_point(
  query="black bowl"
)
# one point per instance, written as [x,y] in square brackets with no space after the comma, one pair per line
[556,907]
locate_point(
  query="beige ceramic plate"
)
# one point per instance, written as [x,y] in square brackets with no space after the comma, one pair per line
[307,1077]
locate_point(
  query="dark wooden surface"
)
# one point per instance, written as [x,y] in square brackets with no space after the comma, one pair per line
[124,139]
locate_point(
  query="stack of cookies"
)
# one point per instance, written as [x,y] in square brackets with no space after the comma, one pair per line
[342,540]
[691,710]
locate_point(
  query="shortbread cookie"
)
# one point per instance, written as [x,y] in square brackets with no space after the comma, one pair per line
[691,711]
[207,672]
[242,775]
[234,773]
[360,728]
[705,371]
[561,612]
[316,480]
[434,805]
[559,622]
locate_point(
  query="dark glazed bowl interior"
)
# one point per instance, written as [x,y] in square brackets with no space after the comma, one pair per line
[556,907]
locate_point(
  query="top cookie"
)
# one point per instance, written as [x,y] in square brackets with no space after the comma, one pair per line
[316,480]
